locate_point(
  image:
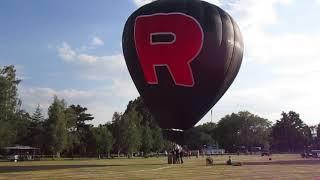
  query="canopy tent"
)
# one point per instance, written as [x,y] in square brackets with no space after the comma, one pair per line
[20,152]
[20,148]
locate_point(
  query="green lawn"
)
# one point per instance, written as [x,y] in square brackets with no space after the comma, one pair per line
[255,167]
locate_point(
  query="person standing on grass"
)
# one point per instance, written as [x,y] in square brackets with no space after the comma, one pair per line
[181,154]
[176,151]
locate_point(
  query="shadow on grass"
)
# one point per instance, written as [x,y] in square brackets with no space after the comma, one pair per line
[286,162]
[8,169]
[283,162]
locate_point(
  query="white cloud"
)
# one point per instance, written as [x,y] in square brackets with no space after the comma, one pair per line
[124,88]
[141,2]
[66,52]
[87,58]
[101,102]
[253,12]
[96,41]
[215,2]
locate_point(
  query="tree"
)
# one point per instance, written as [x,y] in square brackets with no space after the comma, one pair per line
[290,133]
[197,137]
[56,129]
[35,130]
[73,137]
[117,132]
[37,116]
[103,140]
[9,101]
[9,106]
[7,134]
[132,131]
[147,120]
[242,129]
[158,141]
[77,120]
[147,140]
[139,106]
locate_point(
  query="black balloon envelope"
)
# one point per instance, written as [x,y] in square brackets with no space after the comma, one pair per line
[182,56]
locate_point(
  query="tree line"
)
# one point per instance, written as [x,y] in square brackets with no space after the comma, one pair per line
[68,131]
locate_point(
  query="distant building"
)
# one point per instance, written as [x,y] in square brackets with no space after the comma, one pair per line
[212,150]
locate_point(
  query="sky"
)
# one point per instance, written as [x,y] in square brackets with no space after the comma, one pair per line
[72,49]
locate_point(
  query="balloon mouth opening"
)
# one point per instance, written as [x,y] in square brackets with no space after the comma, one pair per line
[174,130]
[174,135]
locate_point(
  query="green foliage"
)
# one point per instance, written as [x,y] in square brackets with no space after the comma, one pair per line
[158,140]
[9,101]
[56,129]
[132,131]
[242,129]
[117,131]
[136,130]
[77,123]
[6,134]
[20,126]
[147,139]
[103,139]
[68,130]
[197,137]
[37,116]
[10,116]
[36,129]
[290,133]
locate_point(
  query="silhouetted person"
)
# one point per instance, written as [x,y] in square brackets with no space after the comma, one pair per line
[229,161]
[176,153]
[181,154]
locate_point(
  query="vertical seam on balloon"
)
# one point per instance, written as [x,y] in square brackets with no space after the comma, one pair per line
[239,33]
[235,28]
[232,59]
[221,28]
[233,45]
[232,55]
[219,46]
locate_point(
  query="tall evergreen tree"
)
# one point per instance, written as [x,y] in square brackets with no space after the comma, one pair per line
[78,122]
[9,106]
[35,131]
[56,130]
[9,101]
[37,116]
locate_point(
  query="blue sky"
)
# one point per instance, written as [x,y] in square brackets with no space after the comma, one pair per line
[73,49]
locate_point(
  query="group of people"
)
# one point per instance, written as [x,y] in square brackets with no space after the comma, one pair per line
[177,152]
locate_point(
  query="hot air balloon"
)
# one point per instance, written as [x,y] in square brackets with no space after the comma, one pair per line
[182,56]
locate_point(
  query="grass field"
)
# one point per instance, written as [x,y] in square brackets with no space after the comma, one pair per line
[255,167]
